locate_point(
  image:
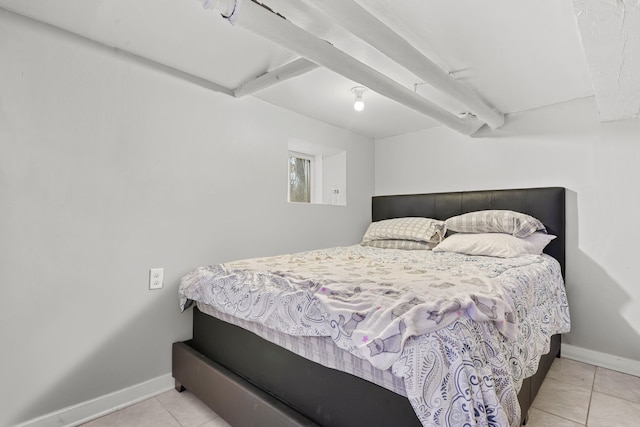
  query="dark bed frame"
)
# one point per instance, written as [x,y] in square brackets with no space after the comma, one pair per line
[249,381]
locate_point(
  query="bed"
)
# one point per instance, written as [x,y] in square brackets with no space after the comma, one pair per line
[252,376]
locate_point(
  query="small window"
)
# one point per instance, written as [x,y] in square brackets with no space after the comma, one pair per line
[300,176]
[316,174]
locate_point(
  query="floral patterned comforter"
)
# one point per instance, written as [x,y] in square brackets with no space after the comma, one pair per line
[462,331]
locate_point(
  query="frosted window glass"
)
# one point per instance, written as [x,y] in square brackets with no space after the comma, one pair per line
[299,179]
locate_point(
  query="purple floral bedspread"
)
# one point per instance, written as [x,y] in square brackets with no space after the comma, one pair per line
[462,331]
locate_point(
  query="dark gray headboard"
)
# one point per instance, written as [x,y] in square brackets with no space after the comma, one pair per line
[547,204]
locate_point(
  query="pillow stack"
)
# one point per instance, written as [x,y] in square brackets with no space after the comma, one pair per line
[498,233]
[405,233]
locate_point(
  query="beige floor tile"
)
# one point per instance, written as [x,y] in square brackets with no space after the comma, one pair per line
[572,372]
[148,413]
[218,422]
[564,400]
[607,411]
[617,384]
[538,418]
[186,408]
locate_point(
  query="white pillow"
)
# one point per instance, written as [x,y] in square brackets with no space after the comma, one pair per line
[408,228]
[495,244]
[495,221]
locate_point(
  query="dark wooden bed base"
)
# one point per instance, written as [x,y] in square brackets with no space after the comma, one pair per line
[249,381]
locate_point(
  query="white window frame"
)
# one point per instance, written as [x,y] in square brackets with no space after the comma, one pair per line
[328,179]
[314,167]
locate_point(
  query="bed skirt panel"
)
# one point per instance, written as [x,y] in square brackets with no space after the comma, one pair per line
[237,401]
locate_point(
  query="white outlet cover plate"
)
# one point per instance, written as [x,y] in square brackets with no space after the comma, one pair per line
[156,278]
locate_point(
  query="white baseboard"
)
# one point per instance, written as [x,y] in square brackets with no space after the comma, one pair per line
[604,360]
[91,409]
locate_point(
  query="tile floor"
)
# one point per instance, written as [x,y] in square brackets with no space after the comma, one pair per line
[576,394]
[170,409]
[573,394]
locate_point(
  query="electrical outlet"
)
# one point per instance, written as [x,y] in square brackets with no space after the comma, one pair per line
[156,276]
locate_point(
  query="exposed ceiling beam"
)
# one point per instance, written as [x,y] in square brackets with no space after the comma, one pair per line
[610,33]
[192,78]
[358,21]
[265,23]
[277,75]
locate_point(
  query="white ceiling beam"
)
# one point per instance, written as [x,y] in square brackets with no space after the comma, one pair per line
[358,21]
[610,32]
[275,76]
[265,23]
[192,78]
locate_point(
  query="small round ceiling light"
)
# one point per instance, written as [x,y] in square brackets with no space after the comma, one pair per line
[358,103]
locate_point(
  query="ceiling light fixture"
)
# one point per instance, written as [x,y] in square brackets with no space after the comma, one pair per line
[354,18]
[358,103]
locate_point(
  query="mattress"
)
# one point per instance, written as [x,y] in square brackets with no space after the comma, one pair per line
[461,332]
[318,349]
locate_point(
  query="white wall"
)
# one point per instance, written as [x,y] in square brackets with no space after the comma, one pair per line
[334,179]
[109,167]
[562,145]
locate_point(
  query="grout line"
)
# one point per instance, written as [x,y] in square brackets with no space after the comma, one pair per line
[167,409]
[586,422]
[182,398]
[613,395]
[560,416]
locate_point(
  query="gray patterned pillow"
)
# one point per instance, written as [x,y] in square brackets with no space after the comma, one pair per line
[409,228]
[410,245]
[495,221]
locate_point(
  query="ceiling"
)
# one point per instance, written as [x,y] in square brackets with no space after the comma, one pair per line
[515,54]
